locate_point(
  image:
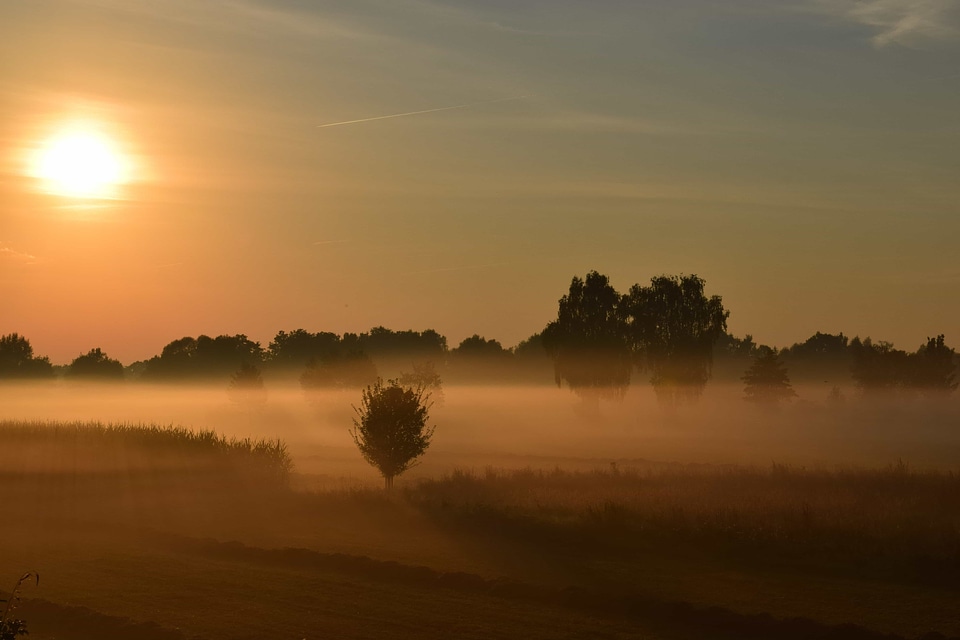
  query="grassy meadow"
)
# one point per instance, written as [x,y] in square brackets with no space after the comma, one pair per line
[527,518]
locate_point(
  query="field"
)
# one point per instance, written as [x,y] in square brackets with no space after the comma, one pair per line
[527,518]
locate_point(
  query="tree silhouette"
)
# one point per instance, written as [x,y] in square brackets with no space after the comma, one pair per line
[478,346]
[477,358]
[821,357]
[299,347]
[767,382]
[932,370]
[531,349]
[390,429]
[349,370]
[732,355]
[383,343]
[588,340]
[246,386]
[203,357]
[17,360]
[95,364]
[674,327]
[424,376]
[878,367]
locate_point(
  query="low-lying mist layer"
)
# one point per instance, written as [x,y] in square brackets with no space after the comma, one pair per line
[535,426]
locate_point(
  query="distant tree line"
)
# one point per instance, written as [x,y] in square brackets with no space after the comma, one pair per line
[872,367]
[668,331]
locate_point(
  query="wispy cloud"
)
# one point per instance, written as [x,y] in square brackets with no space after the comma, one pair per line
[904,22]
[9,254]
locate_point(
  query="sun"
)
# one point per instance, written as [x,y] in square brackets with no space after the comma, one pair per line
[80,163]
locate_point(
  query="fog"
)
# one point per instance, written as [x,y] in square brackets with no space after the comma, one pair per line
[534,426]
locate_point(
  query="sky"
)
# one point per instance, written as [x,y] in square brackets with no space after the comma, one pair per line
[800,156]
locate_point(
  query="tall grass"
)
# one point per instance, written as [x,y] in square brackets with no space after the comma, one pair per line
[266,457]
[894,512]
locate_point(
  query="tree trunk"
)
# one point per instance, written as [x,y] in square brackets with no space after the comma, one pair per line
[387,483]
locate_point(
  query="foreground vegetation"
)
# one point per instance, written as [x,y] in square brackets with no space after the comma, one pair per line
[893,521]
[627,550]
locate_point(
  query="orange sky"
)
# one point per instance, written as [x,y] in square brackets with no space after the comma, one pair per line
[802,158]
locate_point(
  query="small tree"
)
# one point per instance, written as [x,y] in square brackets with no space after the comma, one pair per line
[766,380]
[390,429]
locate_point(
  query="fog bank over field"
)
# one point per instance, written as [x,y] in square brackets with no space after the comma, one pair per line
[535,426]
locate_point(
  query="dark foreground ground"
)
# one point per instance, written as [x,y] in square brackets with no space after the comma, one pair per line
[646,552]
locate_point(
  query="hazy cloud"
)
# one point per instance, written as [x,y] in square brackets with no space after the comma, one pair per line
[903,22]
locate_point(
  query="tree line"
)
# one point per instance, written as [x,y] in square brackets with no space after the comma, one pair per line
[602,341]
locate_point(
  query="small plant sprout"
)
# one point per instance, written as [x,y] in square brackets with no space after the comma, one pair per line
[11,628]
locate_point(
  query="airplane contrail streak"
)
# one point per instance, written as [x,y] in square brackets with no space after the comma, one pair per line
[417,113]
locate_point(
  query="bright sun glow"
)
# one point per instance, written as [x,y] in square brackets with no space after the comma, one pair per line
[80,164]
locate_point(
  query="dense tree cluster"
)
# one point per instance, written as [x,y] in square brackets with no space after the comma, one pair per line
[17,359]
[879,368]
[300,347]
[203,357]
[96,365]
[479,347]
[668,328]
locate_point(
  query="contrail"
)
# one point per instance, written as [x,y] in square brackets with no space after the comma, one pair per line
[417,113]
